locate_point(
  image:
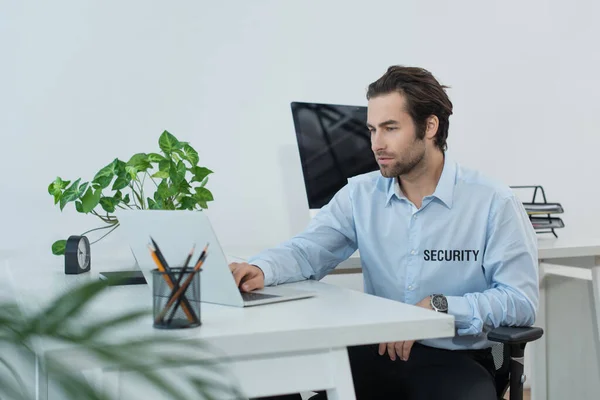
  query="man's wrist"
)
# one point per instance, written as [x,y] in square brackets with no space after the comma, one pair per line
[266,270]
[260,269]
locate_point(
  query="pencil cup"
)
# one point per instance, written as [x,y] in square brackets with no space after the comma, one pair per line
[176,298]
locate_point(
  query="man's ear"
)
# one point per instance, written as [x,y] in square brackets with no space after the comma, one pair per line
[431,126]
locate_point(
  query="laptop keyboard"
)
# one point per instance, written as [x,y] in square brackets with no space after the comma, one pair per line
[251,296]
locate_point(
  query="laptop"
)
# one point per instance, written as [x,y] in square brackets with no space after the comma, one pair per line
[176,232]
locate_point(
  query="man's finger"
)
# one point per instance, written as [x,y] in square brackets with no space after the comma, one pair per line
[406,349]
[238,275]
[391,351]
[233,266]
[398,348]
[382,347]
[251,284]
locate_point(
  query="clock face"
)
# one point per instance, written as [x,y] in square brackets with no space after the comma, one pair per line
[83,256]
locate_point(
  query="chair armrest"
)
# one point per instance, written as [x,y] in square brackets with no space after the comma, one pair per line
[515,335]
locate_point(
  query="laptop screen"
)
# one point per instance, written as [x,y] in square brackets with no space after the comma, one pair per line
[334,145]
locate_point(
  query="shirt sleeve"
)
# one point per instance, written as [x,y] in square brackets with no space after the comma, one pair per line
[510,262]
[329,239]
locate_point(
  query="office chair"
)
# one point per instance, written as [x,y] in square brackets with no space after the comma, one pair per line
[508,359]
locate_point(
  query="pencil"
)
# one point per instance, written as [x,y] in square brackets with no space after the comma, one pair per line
[160,255]
[168,277]
[184,287]
[183,271]
[185,264]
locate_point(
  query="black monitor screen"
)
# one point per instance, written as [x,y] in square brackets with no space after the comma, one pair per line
[334,145]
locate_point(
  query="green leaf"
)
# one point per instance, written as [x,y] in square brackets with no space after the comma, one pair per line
[177,173]
[203,194]
[99,327]
[79,206]
[126,199]
[121,182]
[56,188]
[190,154]
[103,182]
[57,185]
[168,143]
[81,189]
[183,187]
[173,190]
[104,177]
[152,205]
[177,155]
[202,204]
[164,165]
[109,204]
[162,191]
[131,171]
[58,247]
[161,174]
[90,200]
[140,162]
[155,157]
[204,182]
[200,173]
[51,319]
[187,203]
[160,201]
[120,167]
[11,385]
[70,194]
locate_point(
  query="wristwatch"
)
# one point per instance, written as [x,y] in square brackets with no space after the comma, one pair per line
[439,303]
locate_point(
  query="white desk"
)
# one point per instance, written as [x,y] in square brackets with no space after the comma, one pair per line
[285,347]
[566,360]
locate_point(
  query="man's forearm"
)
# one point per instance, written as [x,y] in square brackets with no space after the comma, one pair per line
[494,307]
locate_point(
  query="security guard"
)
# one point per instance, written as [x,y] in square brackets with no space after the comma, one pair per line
[430,233]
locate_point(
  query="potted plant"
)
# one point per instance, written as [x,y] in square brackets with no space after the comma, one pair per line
[176,182]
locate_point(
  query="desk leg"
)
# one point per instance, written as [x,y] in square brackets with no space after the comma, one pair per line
[539,372]
[595,306]
[342,375]
[41,381]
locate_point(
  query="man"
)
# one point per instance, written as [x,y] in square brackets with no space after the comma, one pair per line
[431,233]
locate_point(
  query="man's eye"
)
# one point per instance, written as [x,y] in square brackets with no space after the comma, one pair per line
[390,128]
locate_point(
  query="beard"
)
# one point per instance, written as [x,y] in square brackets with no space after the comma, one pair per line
[405,165]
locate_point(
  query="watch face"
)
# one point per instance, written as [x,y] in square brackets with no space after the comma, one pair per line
[83,256]
[440,302]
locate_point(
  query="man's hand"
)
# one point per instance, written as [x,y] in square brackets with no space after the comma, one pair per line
[402,349]
[247,277]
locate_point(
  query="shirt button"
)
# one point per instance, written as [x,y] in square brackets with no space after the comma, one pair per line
[410,287]
[413,252]
[415,216]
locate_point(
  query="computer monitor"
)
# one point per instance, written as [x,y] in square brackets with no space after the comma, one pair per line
[334,145]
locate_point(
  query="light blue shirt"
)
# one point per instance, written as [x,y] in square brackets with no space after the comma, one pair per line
[471,240]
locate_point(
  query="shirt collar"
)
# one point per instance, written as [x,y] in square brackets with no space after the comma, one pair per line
[444,190]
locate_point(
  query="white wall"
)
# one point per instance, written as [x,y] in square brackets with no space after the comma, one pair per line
[83,82]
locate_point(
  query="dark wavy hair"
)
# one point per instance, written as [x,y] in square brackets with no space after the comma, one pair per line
[424,97]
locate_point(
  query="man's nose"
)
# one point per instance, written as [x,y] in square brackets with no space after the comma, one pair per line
[377,143]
